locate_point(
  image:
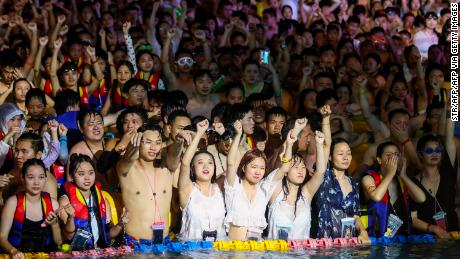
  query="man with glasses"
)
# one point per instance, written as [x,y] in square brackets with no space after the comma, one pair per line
[182,78]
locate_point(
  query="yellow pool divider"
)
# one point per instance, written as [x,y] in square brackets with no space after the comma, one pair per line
[266,245]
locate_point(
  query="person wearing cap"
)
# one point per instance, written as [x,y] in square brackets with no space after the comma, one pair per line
[425,38]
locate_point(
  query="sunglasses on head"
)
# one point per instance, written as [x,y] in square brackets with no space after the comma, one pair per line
[429,150]
[185,61]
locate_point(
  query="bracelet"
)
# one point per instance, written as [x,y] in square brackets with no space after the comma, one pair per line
[285,160]
[93,62]
[405,142]
[69,232]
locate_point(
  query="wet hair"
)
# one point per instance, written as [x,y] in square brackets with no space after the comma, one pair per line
[9,58]
[432,67]
[65,99]
[178,113]
[233,85]
[395,112]
[259,134]
[32,162]
[152,127]
[35,140]
[200,74]
[128,64]
[324,75]
[301,100]
[248,157]
[325,49]
[237,112]
[297,158]
[160,96]
[381,148]
[133,82]
[179,96]
[192,166]
[325,95]
[66,67]
[337,141]
[220,111]
[373,56]
[36,93]
[132,109]
[75,160]
[87,113]
[275,111]
[248,62]
[241,15]
[170,107]
[142,52]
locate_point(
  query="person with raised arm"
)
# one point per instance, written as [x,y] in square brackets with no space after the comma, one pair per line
[247,192]
[289,213]
[201,199]
[146,187]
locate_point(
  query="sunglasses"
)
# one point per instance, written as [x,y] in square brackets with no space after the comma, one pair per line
[69,70]
[429,150]
[185,61]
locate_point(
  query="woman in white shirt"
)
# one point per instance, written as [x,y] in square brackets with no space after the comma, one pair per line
[201,200]
[425,38]
[289,214]
[247,192]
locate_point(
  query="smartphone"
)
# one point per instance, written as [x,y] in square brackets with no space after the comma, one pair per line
[264,56]
[356,43]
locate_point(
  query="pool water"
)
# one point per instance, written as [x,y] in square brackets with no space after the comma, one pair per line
[442,249]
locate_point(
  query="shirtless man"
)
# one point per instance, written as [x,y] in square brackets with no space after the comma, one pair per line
[202,100]
[182,80]
[146,187]
[91,125]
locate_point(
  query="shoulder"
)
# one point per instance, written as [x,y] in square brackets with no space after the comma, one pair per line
[11,202]
[78,148]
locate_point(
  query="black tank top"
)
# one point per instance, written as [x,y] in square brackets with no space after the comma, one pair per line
[34,236]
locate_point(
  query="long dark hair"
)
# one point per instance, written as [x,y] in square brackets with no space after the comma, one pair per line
[32,162]
[192,167]
[75,161]
[297,158]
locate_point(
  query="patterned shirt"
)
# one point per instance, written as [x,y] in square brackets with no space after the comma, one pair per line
[332,207]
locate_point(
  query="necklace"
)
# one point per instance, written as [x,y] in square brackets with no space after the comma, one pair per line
[220,160]
[431,185]
[92,153]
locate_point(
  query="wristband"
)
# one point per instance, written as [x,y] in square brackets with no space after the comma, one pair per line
[285,160]
[93,62]
[405,142]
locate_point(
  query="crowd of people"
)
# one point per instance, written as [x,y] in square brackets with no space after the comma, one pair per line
[137,122]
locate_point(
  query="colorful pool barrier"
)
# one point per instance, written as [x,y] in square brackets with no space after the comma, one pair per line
[236,245]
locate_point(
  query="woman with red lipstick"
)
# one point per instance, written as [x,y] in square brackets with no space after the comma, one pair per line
[437,180]
[28,222]
[89,213]
[201,199]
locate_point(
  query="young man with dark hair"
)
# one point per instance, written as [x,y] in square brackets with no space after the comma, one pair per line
[28,146]
[202,100]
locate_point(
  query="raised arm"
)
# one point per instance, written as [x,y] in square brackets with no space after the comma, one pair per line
[43,41]
[414,191]
[232,161]
[169,74]
[321,164]
[185,183]
[130,156]
[54,67]
[29,63]
[326,128]
[55,33]
[129,45]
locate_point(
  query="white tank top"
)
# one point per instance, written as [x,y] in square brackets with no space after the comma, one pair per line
[203,213]
[281,215]
[241,212]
